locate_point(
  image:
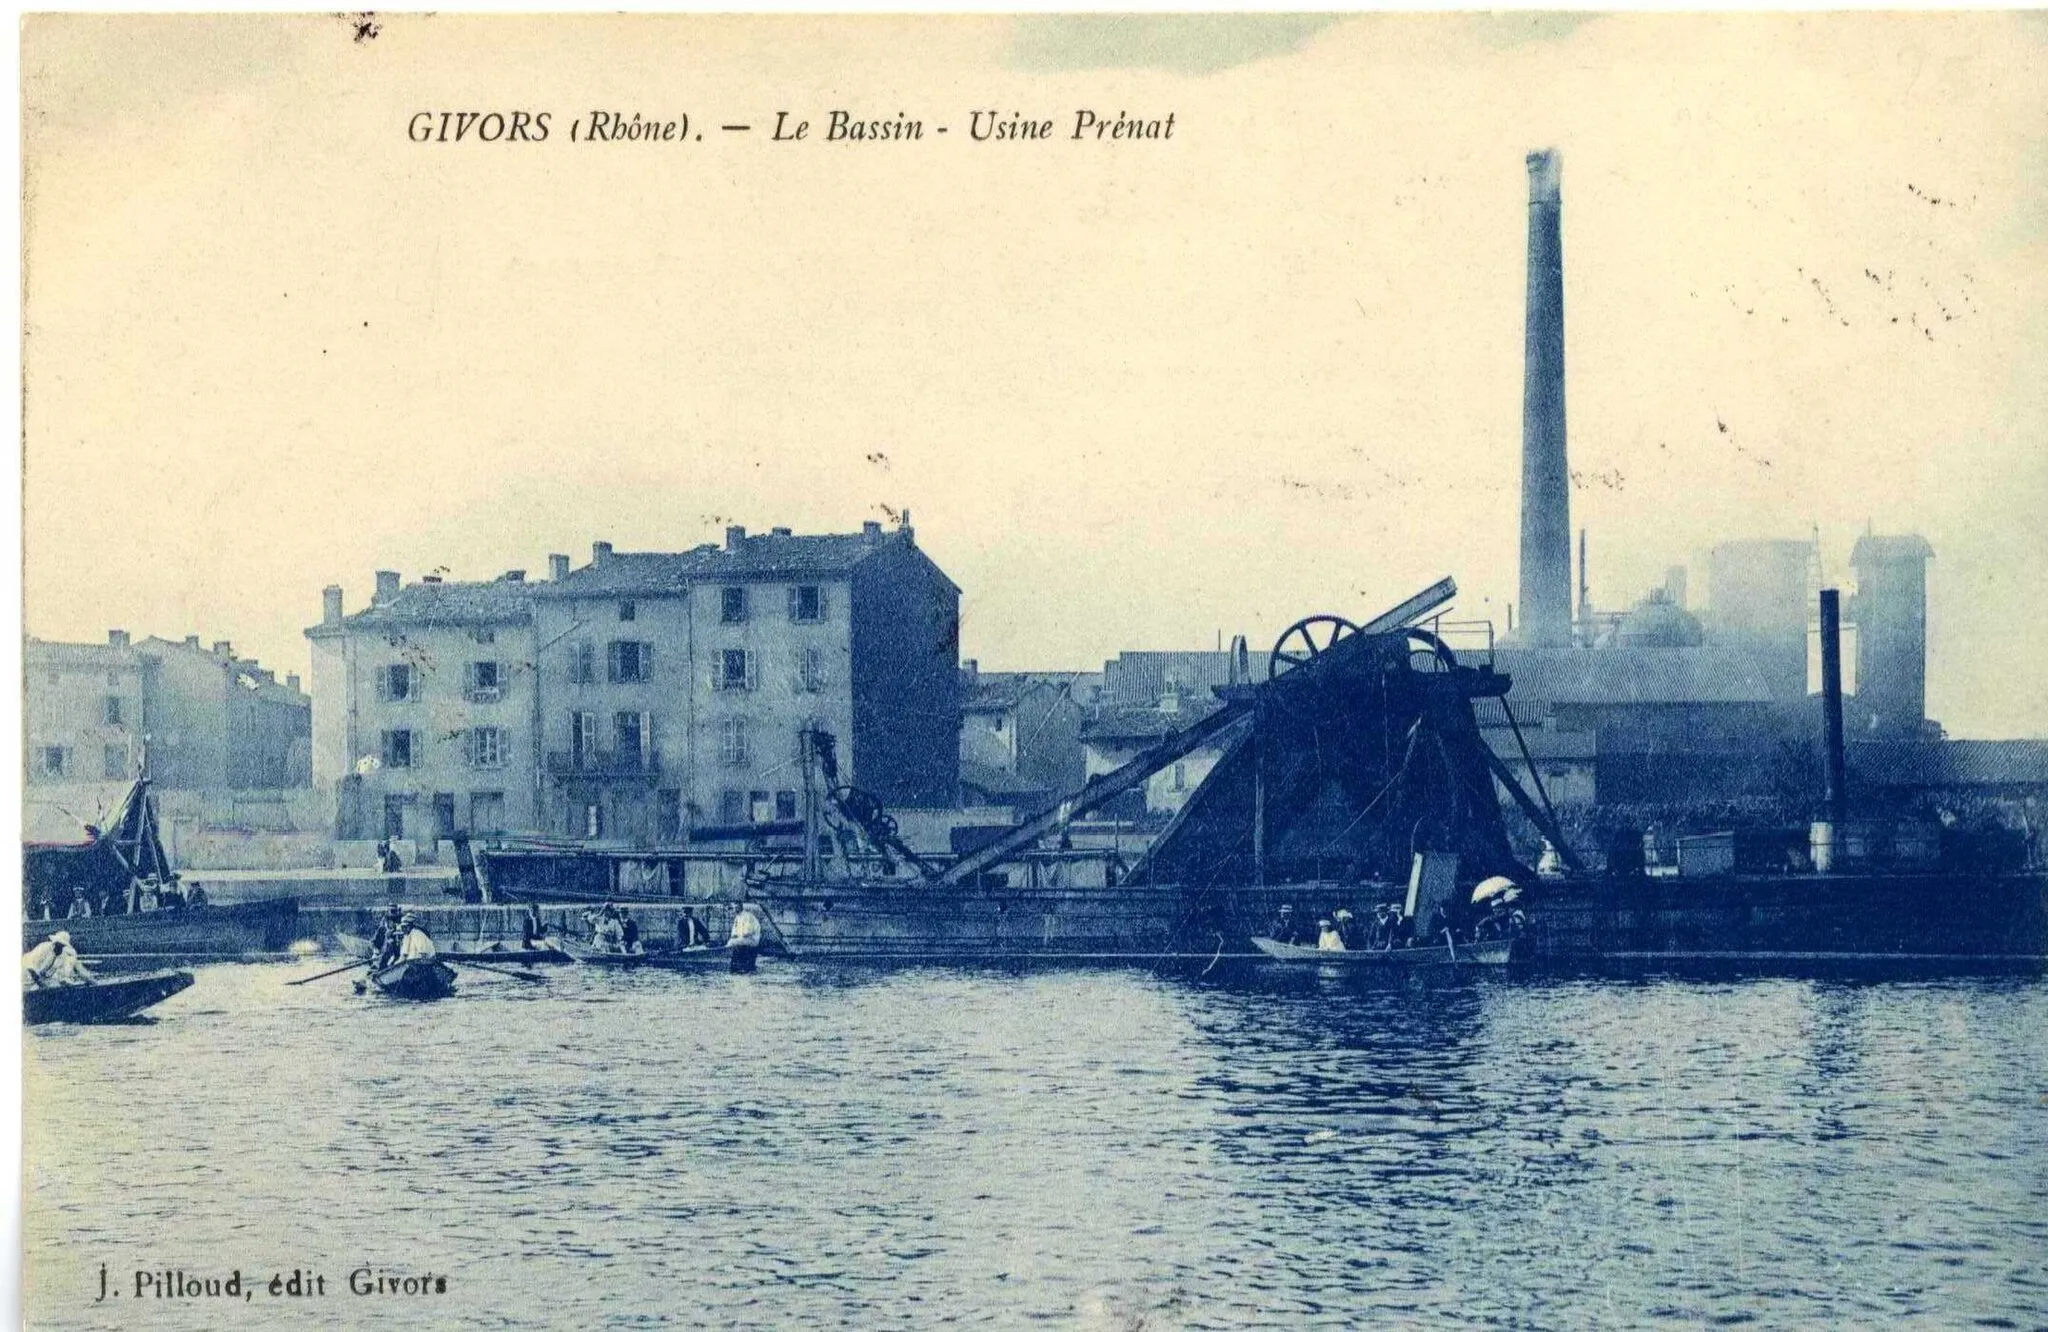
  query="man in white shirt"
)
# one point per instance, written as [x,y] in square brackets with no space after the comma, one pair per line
[745,942]
[53,962]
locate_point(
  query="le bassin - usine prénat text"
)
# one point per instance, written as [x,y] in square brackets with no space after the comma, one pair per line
[1083,125]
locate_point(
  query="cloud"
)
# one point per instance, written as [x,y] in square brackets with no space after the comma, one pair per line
[1181,43]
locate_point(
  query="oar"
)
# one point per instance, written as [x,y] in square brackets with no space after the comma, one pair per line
[325,974]
[499,971]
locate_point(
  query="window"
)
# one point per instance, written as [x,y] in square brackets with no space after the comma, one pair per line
[395,683]
[593,820]
[583,738]
[807,604]
[398,749]
[785,805]
[631,733]
[732,742]
[732,806]
[444,814]
[733,668]
[668,815]
[629,663]
[116,759]
[995,723]
[112,710]
[54,763]
[394,816]
[486,681]
[487,747]
[1180,776]
[484,635]
[759,807]
[732,605]
[627,610]
[583,663]
[487,811]
[810,671]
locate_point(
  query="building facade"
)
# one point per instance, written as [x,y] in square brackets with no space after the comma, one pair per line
[642,695]
[207,719]
[425,709]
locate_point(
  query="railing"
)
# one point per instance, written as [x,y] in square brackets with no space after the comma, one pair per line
[483,694]
[605,762]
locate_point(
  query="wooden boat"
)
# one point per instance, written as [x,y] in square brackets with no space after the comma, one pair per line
[113,1000]
[355,945]
[426,978]
[1487,953]
[703,956]
[601,957]
[197,932]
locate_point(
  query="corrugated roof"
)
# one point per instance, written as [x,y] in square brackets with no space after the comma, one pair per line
[1951,763]
[421,604]
[1617,676]
[1139,678]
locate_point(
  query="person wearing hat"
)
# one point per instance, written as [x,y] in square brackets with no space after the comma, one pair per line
[745,942]
[414,944]
[1327,938]
[53,962]
[384,943]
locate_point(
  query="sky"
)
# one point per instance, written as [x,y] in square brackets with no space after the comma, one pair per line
[1134,395]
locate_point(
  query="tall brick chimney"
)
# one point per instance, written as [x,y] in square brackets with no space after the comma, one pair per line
[1546,481]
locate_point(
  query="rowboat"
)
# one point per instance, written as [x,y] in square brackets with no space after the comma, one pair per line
[1488,953]
[601,957]
[690,959]
[113,1000]
[426,978]
[355,945]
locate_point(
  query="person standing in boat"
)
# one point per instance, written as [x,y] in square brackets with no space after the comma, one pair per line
[384,943]
[52,963]
[629,931]
[745,942]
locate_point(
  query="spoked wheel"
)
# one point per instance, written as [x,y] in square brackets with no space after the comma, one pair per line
[1306,640]
[865,810]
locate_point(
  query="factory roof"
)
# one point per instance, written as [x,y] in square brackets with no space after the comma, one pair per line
[1951,763]
[1146,723]
[1139,678]
[425,604]
[1622,676]
[1873,549]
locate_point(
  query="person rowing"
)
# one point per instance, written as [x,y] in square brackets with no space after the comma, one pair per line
[414,943]
[53,963]
[690,932]
[384,943]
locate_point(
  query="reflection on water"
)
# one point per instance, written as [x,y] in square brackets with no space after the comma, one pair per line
[847,1147]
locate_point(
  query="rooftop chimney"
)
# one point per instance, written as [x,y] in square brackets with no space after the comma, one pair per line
[291,681]
[191,640]
[117,638]
[223,648]
[387,586]
[430,578]
[779,531]
[330,604]
[515,575]
[1546,591]
[558,568]
[600,551]
[871,531]
[734,535]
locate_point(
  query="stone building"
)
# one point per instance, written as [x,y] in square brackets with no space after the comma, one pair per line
[642,694]
[209,720]
[1020,734]
[425,709]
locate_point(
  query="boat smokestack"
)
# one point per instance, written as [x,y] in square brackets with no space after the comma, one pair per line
[1546,591]
[1831,704]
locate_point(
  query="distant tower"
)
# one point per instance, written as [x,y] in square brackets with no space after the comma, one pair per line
[1890,610]
[1546,483]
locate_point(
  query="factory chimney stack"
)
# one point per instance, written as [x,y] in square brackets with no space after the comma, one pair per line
[1546,483]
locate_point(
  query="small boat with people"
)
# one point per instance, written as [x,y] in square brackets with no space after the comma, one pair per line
[1490,953]
[418,978]
[1482,933]
[56,986]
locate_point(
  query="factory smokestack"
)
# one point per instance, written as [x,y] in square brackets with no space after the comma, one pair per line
[1546,484]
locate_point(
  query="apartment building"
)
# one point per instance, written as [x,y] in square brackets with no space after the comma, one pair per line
[210,720]
[641,695]
[425,707]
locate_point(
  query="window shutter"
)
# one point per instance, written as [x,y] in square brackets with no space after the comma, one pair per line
[823,597]
[383,684]
[753,680]
[795,606]
[611,661]
[646,733]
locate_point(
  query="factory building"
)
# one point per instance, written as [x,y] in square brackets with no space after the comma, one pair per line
[1890,612]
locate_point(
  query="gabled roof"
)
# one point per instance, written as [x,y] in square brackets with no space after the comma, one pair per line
[1619,676]
[1139,678]
[1146,723]
[422,605]
[766,557]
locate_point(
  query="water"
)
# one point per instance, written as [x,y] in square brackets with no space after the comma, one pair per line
[819,1148]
